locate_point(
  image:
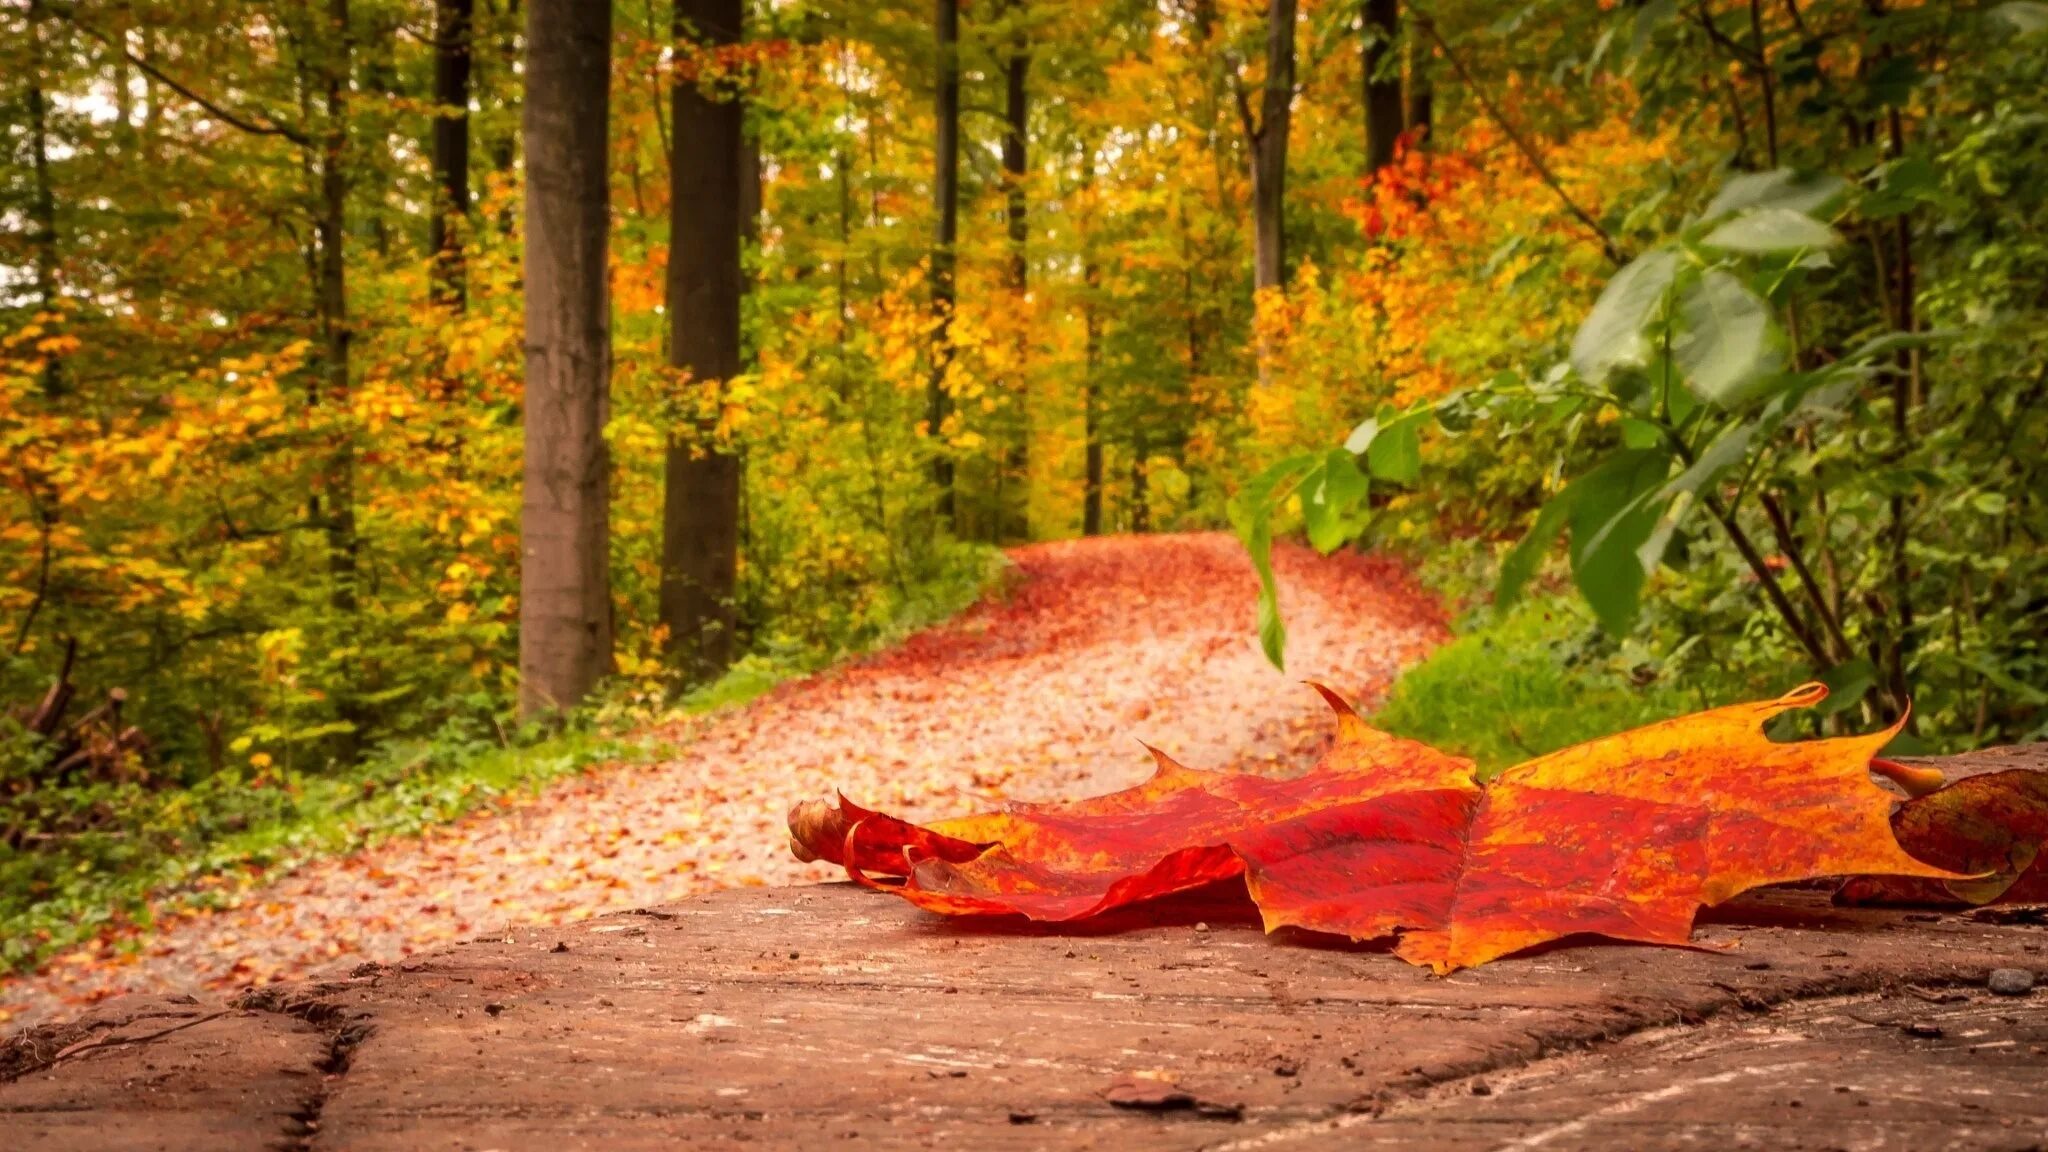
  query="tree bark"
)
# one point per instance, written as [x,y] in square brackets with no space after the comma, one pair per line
[1016,142]
[1091,383]
[1141,495]
[43,206]
[565,637]
[452,39]
[708,191]
[337,486]
[1421,43]
[1268,140]
[945,203]
[1383,111]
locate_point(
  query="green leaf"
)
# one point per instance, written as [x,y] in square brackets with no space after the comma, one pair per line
[1251,514]
[1883,346]
[1330,495]
[1272,627]
[1727,450]
[1640,434]
[1395,455]
[1523,559]
[1902,185]
[1805,192]
[1612,336]
[1613,514]
[1361,437]
[1998,676]
[2025,16]
[1727,341]
[1391,443]
[1767,230]
[1846,684]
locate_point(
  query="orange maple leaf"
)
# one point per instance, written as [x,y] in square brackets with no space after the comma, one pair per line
[1626,837]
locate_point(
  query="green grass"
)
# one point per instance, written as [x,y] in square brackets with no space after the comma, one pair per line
[193,847]
[1532,681]
[181,848]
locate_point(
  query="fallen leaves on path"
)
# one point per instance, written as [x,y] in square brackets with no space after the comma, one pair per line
[1034,695]
[1625,837]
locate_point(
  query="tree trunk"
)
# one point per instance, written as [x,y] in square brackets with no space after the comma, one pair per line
[707,213]
[1269,148]
[43,206]
[945,197]
[1016,141]
[1091,383]
[1421,91]
[1383,111]
[451,148]
[1141,496]
[565,626]
[337,487]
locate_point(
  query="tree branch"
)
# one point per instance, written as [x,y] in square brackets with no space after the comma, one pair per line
[1528,151]
[255,124]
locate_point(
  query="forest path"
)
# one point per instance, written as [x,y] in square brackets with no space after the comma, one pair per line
[1038,694]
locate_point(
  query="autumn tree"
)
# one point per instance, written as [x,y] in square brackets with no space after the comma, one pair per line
[707,180]
[565,638]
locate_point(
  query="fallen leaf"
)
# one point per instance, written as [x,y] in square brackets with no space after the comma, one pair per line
[1625,837]
[1991,827]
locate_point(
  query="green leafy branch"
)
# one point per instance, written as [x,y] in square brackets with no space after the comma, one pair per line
[1685,359]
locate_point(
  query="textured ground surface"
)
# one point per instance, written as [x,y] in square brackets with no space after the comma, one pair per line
[1039,695]
[830,1016]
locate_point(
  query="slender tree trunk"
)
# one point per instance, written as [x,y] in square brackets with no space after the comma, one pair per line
[1016,141]
[565,624]
[1268,140]
[1421,44]
[338,483]
[1141,496]
[450,220]
[1383,111]
[707,215]
[1091,413]
[945,197]
[43,205]
[1091,379]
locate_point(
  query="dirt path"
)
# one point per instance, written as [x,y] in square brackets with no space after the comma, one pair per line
[827,1016]
[1043,694]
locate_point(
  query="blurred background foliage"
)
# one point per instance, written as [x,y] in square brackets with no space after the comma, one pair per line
[1745,302]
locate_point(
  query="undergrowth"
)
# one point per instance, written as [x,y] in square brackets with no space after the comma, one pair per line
[1542,676]
[80,858]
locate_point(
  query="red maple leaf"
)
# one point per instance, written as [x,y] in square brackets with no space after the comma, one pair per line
[1626,837]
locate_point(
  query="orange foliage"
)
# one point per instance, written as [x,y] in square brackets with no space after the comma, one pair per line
[1625,837]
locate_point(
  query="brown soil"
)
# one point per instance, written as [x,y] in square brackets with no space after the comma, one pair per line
[794,1017]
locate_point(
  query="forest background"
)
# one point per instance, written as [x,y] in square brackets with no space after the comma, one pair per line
[1748,301]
